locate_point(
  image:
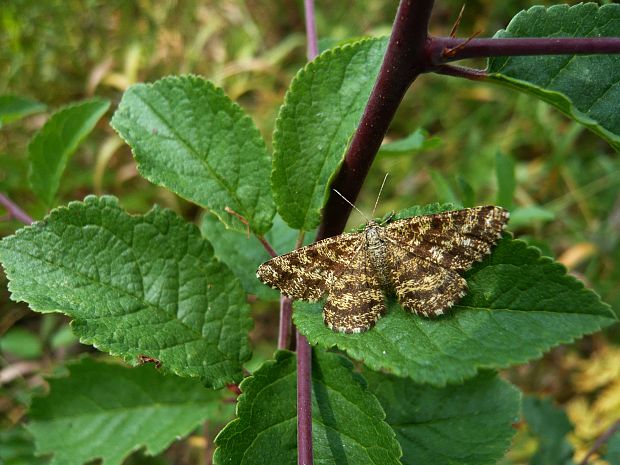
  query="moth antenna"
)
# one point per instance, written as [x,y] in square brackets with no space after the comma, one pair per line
[347,200]
[379,196]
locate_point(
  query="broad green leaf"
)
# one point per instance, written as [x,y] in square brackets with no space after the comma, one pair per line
[466,424]
[506,183]
[15,107]
[244,254]
[519,305]
[189,137]
[104,411]
[134,285]
[444,190]
[50,149]
[584,87]
[550,424]
[322,109]
[417,141]
[347,420]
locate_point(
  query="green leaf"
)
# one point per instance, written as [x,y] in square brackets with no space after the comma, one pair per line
[519,305]
[613,450]
[321,110]
[17,448]
[347,420]
[462,424]
[21,343]
[506,183]
[444,190]
[14,107]
[189,137]
[50,149]
[417,141]
[244,254]
[550,424]
[584,87]
[134,285]
[104,411]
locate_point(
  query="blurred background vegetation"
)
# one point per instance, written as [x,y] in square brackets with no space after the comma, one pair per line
[566,199]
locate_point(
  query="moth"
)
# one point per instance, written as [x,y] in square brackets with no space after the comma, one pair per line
[417,259]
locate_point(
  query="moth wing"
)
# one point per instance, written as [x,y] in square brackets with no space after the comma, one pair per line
[308,272]
[356,300]
[452,239]
[422,286]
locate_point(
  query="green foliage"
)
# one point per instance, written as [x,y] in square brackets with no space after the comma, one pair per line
[584,87]
[468,424]
[21,343]
[519,304]
[189,137]
[417,141]
[550,425]
[56,141]
[244,254]
[17,448]
[506,182]
[107,411]
[134,285]
[613,450]
[15,107]
[347,421]
[321,110]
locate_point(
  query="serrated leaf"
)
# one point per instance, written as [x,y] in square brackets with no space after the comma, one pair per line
[52,146]
[518,305]
[104,411]
[321,110]
[347,420]
[244,254]
[15,107]
[550,424]
[189,137]
[134,285]
[584,87]
[466,424]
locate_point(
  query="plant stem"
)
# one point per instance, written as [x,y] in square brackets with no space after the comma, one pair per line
[602,439]
[439,47]
[14,210]
[404,60]
[303,349]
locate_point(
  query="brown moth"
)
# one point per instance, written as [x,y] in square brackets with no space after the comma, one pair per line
[417,259]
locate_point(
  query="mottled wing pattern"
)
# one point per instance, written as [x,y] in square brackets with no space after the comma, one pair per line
[355,300]
[422,286]
[307,273]
[454,239]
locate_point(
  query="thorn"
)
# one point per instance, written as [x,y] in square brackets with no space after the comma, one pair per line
[457,23]
[241,218]
[450,52]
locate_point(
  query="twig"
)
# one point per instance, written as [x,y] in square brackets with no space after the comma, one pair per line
[241,218]
[405,58]
[270,250]
[601,440]
[286,311]
[304,351]
[462,72]
[304,401]
[482,48]
[14,210]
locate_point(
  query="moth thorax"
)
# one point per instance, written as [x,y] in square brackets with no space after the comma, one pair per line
[377,251]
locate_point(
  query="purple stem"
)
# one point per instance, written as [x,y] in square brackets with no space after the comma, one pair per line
[404,60]
[439,47]
[462,72]
[284,330]
[312,41]
[304,401]
[14,210]
[304,351]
